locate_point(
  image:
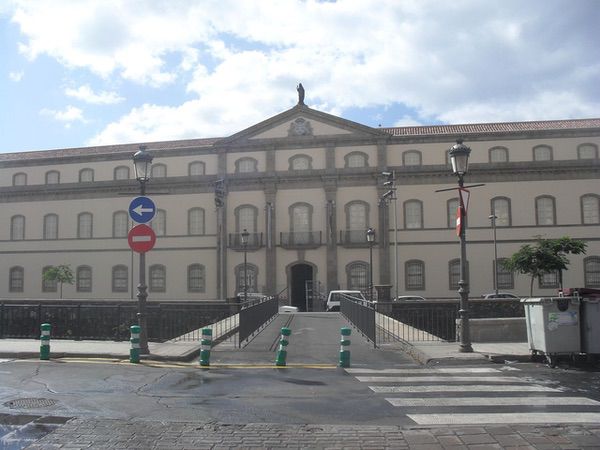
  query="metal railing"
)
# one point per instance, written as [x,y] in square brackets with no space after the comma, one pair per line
[255,241]
[300,239]
[254,315]
[360,313]
[394,321]
[108,321]
[404,321]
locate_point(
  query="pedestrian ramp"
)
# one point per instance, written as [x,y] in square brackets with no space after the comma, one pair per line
[476,396]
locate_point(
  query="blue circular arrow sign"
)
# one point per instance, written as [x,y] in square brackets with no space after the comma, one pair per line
[142,209]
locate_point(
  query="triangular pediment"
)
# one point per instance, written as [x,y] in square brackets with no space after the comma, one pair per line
[301,123]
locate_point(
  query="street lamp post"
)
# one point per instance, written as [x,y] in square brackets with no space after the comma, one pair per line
[459,156]
[371,241]
[142,162]
[493,218]
[245,235]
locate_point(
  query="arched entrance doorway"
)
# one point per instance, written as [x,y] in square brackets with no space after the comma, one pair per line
[299,275]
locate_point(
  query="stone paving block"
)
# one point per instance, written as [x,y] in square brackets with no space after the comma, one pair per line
[419,437]
[511,440]
[449,441]
[473,439]
[469,430]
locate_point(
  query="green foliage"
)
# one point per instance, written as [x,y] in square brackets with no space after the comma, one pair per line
[61,274]
[546,256]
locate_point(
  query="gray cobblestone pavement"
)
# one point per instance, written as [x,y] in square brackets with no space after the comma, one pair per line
[114,434]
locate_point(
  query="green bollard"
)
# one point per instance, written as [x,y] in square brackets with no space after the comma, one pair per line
[205,347]
[283,343]
[345,347]
[45,341]
[134,352]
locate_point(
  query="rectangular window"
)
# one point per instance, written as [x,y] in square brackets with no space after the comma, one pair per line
[415,275]
[549,281]
[505,278]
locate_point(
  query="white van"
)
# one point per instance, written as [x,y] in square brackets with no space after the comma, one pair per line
[333,299]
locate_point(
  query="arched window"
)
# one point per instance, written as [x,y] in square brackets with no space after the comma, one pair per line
[159,223]
[19,179]
[357,276]
[356,159]
[301,222]
[251,277]
[300,162]
[411,158]
[158,171]
[158,278]
[246,217]
[121,173]
[196,221]
[452,209]
[120,224]
[542,153]
[246,165]
[545,211]
[84,279]
[84,225]
[17,228]
[498,154]
[591,270]
[501,208]
[86,175]
[196,168]
[590,209]
[357,216]
[454,273]
[505,278]
[587,151]
[120,278]
[196,278]
[16,280]
[48,285]
[413,214]
[52,177]
[50,226]
[415,275]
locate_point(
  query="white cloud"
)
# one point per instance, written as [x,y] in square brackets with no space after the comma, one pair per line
[67,116]
[460,61]
[16,76]
[86,94]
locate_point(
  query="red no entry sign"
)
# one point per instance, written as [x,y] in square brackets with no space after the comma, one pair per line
[141,238]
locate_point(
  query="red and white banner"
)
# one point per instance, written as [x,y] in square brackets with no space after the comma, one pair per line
[459,220]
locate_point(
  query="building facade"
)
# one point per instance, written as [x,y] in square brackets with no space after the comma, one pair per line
[306,186]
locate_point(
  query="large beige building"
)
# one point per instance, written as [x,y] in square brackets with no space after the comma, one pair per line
[306,186]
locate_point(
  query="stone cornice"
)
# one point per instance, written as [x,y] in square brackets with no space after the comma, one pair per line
[325,179]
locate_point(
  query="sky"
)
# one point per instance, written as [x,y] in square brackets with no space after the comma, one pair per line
[76,73]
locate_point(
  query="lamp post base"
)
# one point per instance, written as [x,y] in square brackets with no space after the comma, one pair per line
[465,348]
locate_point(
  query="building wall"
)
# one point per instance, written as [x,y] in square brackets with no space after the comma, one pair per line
[328,186]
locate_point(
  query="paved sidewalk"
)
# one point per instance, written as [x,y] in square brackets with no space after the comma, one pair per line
[113,434]
[261,349]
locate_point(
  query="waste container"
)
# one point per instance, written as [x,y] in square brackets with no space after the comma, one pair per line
[553,326]
[590,318]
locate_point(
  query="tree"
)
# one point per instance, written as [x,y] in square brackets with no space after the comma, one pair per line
[546,256]
[61,274]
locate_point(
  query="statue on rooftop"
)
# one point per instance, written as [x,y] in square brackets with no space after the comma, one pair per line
[300,90]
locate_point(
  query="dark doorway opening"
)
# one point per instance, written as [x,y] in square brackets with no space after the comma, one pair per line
[300,274]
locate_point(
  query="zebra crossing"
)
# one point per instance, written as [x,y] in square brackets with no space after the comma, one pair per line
[476,396]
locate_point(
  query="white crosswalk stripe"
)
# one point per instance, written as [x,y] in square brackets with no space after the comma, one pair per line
[476,395]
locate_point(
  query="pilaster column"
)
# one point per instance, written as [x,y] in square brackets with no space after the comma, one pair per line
[270,190]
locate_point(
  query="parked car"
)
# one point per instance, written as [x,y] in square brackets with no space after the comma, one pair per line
[403,298]
[334,297]
[493,295]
